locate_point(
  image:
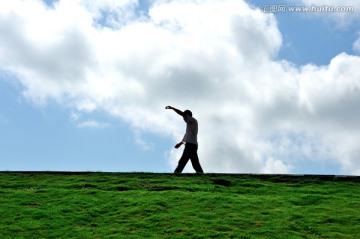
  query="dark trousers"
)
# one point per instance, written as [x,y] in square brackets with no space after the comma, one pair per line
[190,152]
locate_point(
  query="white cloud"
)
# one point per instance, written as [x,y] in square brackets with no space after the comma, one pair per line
[93,124]
[121,11]
[275,166]
[139,140]
[85,105]
[217,58]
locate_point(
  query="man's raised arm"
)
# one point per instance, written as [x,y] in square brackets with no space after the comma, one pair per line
[174,109]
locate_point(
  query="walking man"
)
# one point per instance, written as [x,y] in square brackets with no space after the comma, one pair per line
[190,141]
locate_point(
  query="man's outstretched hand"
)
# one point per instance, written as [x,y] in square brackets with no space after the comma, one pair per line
[179,112]
[178,145]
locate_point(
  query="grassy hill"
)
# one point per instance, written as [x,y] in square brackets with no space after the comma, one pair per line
[145,205]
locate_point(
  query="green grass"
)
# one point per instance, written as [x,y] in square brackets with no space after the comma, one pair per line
[142,205]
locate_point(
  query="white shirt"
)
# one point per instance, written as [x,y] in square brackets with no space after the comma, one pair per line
[191,130]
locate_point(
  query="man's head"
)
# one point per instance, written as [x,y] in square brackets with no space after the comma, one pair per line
[188,112]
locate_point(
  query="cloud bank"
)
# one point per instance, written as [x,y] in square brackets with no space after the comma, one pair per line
[256,114]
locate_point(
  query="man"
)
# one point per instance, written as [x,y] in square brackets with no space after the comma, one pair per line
[190,141]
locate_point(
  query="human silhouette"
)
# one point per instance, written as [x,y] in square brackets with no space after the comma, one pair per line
[190,141]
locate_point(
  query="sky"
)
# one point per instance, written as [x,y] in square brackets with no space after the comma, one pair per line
[274,86]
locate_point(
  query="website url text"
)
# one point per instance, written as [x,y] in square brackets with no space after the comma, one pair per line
[279,8]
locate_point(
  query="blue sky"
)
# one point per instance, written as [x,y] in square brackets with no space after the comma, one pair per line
[47,125]
[312,40]
[46,138]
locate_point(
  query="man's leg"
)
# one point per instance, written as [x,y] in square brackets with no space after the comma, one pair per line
[195,159]
[183,160]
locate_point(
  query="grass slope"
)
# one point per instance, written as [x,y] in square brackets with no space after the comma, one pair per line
[142,205]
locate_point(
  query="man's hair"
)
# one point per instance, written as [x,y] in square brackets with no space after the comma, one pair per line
[188,112]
